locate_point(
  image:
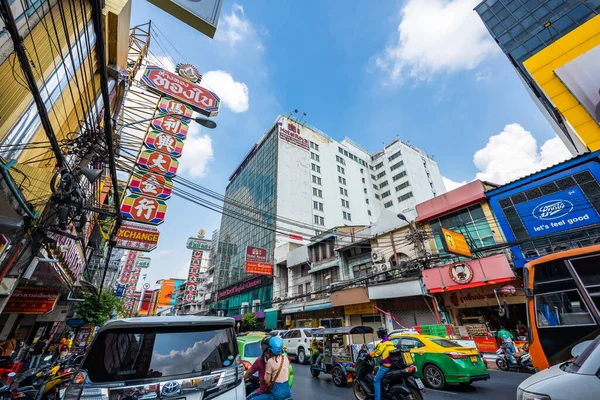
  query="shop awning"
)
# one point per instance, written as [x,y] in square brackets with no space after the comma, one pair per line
[315,307]
[316,267]
[393,290]
[271,315]
[291,309]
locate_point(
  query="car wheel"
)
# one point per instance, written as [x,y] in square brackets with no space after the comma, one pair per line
[434,377]
[501,363]
[338,377]
[301,356]
[314,372]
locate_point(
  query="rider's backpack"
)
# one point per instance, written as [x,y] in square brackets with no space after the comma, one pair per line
[397,358]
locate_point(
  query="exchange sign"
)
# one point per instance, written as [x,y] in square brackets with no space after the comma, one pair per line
[164,142]
[143,209]
[167,105]
[164,82]
[159,163]
[172,125]
[149,184]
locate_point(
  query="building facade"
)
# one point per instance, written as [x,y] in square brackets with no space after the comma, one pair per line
[297,183]
[554,48]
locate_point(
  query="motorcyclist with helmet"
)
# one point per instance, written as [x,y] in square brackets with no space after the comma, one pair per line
[382,350]
[277,373]
[259,366]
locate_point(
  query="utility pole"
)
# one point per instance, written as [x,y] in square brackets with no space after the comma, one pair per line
[416,236]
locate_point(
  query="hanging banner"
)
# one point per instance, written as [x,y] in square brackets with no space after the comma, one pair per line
[149,184]
[167,105]
[31,301]
[172,125]
[164,82]
[164,142]
[143,209]
[136,236]
[159,163]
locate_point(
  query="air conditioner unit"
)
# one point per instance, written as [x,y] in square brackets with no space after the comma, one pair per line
[255,306]
[245,308]
[377,257]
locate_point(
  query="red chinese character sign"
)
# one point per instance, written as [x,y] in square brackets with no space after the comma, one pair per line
[149,184]
[256,261]
[143,209]
[167,105]
[164,142]
[167,83]
[158,163]
[172,125]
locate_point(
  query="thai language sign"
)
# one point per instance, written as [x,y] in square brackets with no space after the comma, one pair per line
[31,301]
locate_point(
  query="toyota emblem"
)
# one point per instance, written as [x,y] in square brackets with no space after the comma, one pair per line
[170,388]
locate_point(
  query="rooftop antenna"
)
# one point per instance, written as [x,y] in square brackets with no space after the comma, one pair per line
[292,112]
[303,115]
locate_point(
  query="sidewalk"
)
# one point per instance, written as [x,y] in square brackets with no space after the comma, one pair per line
[490,359]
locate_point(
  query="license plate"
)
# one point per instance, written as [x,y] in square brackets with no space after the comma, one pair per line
[61,393]
[419,384]
[474,359]
[408,358]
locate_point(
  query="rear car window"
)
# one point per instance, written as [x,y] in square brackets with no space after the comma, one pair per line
[252,350]
[307,333]
[140,353]
[445,343]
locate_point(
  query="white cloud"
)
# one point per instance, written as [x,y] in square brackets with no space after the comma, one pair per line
[436,36]
[161,61]
[484,75]
[197,153]
[233,94]
[451,185]
[514,153]
[234,27]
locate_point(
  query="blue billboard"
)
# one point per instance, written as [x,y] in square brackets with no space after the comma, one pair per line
[557,212]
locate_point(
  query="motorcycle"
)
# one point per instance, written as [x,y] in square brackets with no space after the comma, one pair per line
[397,384]
[523,359]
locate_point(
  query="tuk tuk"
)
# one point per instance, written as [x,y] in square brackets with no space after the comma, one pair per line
[339,354]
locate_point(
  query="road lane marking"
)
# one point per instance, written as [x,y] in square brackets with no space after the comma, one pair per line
[441,391]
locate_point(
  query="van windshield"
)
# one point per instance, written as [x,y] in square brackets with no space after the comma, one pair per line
[141,353]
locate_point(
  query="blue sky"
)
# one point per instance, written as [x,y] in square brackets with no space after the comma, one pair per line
[422,70]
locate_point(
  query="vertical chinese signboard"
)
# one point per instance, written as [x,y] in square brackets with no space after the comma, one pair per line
[256,261]
[151,182]
[196,272]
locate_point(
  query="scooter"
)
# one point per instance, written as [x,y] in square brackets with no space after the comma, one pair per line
[523,359]
[397,384]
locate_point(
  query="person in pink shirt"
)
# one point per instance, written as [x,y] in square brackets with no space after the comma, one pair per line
[259,366]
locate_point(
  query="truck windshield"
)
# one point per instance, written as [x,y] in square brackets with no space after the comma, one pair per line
[141,353]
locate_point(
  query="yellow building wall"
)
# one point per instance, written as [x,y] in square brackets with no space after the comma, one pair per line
[542,65]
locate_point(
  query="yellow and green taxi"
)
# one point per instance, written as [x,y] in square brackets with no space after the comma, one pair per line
[441,361]
[249,350]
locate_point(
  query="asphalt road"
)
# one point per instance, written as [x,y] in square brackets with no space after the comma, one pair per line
[501,386]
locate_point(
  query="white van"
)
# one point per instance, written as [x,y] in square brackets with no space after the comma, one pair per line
[192,358]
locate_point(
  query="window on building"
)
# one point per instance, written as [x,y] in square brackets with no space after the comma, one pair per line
[362,171]
[405,196]
[361,271]
[470,221]
[369,212]
[404,185]
[345,153]
[379,175]
[318,220]
[347,216]
[314,146]
[394,156]
[316,179]
[317,192]
[343,192]
[315,168]
[318,205]
[377,197]
[341,170]
[375,187]
[340,160]
[315,156]
[385,194]
[300,290]
[363,180]
[388,204]
[340,150]
[307,287]
[365,190]
[379,165]
[342,180]
[399,176]
[367,201]
[397,165]
[321,221]
[345,203]
[383,184]
[304,269]
[373,177]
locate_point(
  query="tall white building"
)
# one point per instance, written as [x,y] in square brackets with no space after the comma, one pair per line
[304,183]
